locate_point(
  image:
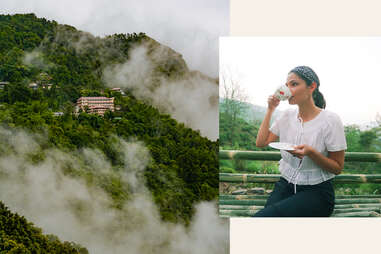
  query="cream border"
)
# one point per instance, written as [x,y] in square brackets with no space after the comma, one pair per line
[305,17]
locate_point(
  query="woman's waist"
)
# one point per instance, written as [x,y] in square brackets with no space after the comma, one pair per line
[302,168]
[307,176]
[305,164]
[323,183]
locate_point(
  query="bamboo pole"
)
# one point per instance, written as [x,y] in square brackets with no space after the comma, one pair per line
[336,211]
[249,178]
[363,157]
[357,201]
[242,202]
[364,209]
[263,201]
[240,197]
[275,156]
[273,178]
[249,155]
[357,214]
[239,207]
[358,196]
[375,205]
[358,178]
[337,207]
[250,213]
[238,213]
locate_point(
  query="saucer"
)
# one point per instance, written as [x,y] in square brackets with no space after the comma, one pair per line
[282,146]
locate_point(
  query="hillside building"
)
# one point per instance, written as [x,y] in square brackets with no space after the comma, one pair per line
[33,86]
[117,89]
[58,113]
[46,86]
[3,84]
[95,105]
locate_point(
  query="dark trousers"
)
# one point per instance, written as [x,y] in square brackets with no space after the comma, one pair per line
[308,201]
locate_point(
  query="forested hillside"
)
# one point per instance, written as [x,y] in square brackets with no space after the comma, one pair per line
[183,169]
[19,236]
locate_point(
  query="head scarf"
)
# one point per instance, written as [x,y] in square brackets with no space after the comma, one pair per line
[308,75]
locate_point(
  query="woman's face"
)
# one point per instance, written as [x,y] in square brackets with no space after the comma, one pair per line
[301,93]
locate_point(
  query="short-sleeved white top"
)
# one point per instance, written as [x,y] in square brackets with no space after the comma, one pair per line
[324,133]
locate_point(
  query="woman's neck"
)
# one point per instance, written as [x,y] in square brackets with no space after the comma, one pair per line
[308,111]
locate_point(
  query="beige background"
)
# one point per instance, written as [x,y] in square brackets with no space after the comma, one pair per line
[304,236]
[305,18]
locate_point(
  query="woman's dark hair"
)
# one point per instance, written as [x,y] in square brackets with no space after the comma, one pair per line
[308,75]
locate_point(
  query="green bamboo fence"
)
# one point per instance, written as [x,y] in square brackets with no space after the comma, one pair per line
[273,178]
[345,205]
[275,156]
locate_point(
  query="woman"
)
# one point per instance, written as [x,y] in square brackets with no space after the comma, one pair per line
[305,187]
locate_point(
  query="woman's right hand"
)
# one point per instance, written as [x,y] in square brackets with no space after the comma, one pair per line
[273,102]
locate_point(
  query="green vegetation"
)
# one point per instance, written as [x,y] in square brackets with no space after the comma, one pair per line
[184,169]
[239,133]
[19,236]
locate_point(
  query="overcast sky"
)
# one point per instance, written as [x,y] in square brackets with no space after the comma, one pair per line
[349,69]
[190,27]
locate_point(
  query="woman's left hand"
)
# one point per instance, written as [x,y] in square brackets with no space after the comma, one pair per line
[301,151]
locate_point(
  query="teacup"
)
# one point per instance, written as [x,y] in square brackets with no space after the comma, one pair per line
[283,93]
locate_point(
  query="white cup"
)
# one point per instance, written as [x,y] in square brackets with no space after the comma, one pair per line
[283,93]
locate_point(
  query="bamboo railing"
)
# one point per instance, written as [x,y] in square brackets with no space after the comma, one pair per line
[271,178]
[345,205]
[275,156]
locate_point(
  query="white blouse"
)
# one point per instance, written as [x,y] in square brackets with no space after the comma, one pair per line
[324,133]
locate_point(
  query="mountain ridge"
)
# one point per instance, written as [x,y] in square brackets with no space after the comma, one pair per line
[251,112]
[184,166]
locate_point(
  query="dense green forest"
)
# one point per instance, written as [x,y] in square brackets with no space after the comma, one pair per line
[239,133]
[19,236]
[184,169]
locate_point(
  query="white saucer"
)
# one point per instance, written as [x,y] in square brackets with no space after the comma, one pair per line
[282,146]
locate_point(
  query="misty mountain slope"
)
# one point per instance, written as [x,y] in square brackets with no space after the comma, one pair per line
[35,44]
[17,235]
[80,195]
[153,160]
[249,112]
[76,61]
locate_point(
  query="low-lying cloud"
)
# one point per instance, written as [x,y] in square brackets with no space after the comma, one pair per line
[191,99]
[65,205]
[35,59]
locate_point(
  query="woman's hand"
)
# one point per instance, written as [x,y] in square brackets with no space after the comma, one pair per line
[301,151]
[273,102]
[334,163]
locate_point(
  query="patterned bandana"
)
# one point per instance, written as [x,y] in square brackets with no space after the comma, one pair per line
[307,73]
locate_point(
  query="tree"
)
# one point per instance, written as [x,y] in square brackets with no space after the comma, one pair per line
[367,138]
[233,102]
[43,78]
[352,135]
